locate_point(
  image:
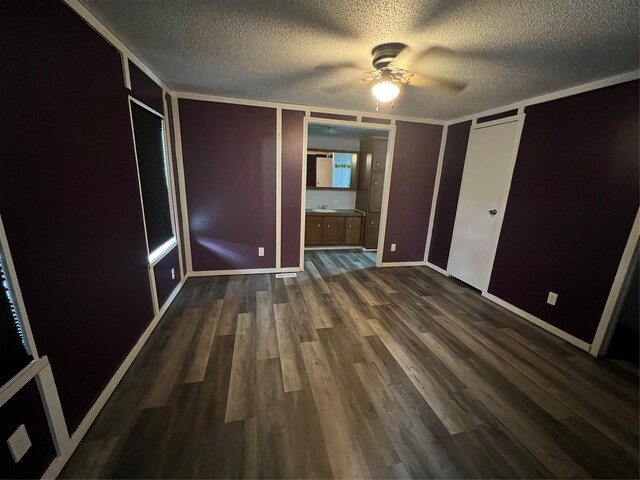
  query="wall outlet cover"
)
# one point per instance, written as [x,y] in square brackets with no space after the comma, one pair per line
[173,273]
[261,251]
[393,247]
[19,442]
[552,298]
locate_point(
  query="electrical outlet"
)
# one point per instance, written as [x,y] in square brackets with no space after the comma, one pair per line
[393,247]
[19,442]
[552,298]
[173,273]
[336,202]
[261,251]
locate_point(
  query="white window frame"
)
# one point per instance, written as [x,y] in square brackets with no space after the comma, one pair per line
[159,253]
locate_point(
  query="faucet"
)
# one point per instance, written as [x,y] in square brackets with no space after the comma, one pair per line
[323,207]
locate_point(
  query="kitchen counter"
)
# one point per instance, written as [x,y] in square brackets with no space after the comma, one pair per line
[337,213]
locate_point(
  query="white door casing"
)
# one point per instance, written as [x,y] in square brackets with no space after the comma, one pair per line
[482,201]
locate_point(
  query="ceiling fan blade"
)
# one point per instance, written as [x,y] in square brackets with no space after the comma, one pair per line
[339,87]
[402,60]
[427,81]
[341,66]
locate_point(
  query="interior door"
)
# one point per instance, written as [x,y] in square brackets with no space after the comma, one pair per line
[483,196]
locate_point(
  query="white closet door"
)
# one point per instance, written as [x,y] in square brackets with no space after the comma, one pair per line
[483,197]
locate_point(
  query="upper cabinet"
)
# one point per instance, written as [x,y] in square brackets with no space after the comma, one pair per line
[328,170]
[373,152]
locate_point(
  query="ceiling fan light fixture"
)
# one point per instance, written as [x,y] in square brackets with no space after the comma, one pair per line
[385,91]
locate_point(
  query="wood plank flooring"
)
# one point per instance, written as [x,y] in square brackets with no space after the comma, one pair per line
[349,371]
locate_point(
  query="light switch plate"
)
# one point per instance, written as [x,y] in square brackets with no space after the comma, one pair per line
[393,247]
[552,298]
[19,442]
[261,251]
[173,273]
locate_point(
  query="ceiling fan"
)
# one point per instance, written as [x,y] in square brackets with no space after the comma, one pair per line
[391,63]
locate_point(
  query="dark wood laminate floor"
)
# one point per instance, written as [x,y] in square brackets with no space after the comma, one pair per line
[352,371]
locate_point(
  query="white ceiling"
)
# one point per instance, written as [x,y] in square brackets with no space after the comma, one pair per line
[507,50]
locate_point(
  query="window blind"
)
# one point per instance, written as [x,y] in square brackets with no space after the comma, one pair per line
[13,353]
[154,179]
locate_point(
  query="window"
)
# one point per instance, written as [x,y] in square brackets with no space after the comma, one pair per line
[148,131]
[13,348]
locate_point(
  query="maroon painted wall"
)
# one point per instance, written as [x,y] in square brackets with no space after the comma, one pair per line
[382,121]
[292,138]
[415,161]
[145,89]
[572,203]
[162,273]
[69,197]
[497,116]
[334,116]
[26,408]
[447,203]
[229,155]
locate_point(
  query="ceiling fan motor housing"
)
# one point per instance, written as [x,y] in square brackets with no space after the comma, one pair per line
[385,53]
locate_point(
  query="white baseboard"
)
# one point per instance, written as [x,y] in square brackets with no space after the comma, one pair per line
[437,269]
[540,323]
[419,263]
[59,462]
[242,271]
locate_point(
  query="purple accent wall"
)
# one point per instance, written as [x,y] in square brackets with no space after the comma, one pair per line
[145,89]
[26,408]
[447,203]
[572,203]
[382,121]
[229,155]
[334,116]
[292,139]
[69,197]
[497,116]
[176,186]
[415,161]
[162,273]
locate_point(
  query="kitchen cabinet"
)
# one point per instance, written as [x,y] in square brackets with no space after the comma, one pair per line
[332,230]
[373,157]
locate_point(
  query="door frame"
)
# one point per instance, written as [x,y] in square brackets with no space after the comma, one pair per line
[519,117]
[391,129]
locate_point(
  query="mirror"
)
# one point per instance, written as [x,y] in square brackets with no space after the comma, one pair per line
[328,170]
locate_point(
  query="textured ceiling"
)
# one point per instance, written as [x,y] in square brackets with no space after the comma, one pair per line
[507,50]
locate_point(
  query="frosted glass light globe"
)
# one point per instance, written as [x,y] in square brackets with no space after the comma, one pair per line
[385,91]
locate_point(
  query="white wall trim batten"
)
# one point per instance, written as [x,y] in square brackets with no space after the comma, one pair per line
[386,191]
[308,108]
[182,184]
[108,35]
[436,189]
[59,462]
[567,92]
[608,320]
[539,322]
[278,187]
[437,268]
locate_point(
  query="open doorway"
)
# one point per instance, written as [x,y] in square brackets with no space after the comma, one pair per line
[347,165]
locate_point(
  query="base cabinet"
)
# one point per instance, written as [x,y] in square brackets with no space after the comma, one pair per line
[371,229]
[353,231]
[332,230]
